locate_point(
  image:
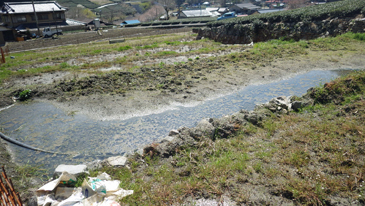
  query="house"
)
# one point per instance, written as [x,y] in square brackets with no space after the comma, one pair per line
[245,8]
[19,17]
[195,13]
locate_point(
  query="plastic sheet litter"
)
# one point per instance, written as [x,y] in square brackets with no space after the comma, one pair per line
[96,191]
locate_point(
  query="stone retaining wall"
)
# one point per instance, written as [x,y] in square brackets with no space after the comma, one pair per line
[257,32]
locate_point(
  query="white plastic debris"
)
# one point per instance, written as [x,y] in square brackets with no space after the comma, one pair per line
[65,179]
[96,191]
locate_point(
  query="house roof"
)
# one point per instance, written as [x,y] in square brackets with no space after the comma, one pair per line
[130,22]
[210,9]
[263,11]
[196,13]
[248,6]
[272,1]
[26,7]
[222,10]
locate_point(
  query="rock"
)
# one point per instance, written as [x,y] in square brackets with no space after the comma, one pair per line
[168,138]
[32,201]
[71,169]
[296,105]
[223,127]
[283,102]
[139,151]
[204,128]
[94,165]
[168,148]
[173,132]
[253,118]
[149,150]
[116,161]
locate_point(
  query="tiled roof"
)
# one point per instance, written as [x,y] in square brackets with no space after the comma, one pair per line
[248,6]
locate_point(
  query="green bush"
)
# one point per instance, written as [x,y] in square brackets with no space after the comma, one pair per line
[24,95]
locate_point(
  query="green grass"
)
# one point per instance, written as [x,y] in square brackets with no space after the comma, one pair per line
[124,48]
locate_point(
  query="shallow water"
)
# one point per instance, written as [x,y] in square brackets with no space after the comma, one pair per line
[44,126]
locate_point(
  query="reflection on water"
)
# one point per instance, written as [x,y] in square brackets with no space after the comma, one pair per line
[44,126]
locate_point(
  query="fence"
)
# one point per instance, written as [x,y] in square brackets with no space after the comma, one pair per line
[4,52]
[8,196]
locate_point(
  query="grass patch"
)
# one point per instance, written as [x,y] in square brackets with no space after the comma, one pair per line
[124,48]
[166,53]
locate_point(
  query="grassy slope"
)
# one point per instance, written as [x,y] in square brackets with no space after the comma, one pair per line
[312,157]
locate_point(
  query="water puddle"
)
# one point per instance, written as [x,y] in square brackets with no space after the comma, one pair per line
[44,126]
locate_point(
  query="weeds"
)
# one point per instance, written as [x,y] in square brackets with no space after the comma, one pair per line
[25,94]
[124,48]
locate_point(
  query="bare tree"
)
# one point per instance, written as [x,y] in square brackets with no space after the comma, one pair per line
[74,12]
[294,4]
[168,3]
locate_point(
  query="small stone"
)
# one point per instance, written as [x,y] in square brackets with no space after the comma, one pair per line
[116,161]
[168,139]
[173,132]
[94,165]
[296,105]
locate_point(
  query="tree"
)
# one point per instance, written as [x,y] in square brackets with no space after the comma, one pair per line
[179,2]
[223,3]
[294,4]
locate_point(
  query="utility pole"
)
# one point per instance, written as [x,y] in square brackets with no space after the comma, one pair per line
[54,18]
[36,18]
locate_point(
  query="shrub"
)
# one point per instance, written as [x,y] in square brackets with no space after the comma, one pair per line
[24,95]
[124,48]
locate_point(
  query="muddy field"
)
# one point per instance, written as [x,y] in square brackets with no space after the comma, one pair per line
[121,89]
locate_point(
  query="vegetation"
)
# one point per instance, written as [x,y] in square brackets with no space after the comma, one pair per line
[24,95]
[306,14]
[309,157]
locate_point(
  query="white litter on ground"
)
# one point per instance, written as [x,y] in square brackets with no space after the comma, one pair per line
[99,191]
